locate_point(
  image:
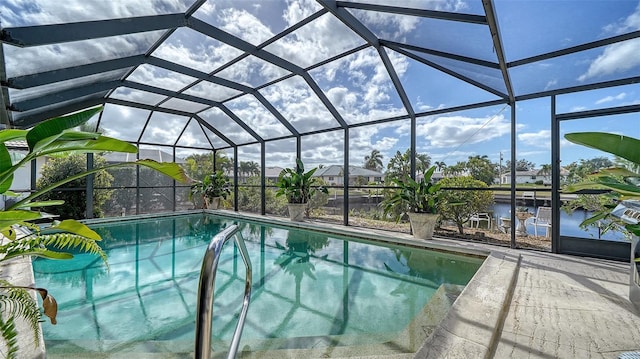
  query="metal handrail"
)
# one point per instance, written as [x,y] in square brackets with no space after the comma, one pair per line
[205,294]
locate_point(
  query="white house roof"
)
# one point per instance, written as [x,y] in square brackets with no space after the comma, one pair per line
[337,170]
[151,154]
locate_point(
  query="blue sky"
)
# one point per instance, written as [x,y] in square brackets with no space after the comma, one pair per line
[358,85]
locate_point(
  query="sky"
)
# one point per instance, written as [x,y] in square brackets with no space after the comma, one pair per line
[358,85]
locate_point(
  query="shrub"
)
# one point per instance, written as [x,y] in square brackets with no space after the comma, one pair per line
[59,168]
[467,202]
[250,198]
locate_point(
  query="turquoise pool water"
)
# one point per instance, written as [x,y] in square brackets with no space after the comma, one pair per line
[310,289]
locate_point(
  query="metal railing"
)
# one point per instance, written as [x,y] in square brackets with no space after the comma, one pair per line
[205,294]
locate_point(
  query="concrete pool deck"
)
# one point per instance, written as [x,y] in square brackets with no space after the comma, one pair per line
[528,304]
[563,307]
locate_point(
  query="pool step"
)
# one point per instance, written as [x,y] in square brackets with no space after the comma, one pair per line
[395,345]
[126,350]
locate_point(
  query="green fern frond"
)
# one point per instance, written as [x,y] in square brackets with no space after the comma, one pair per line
[72,241]
[19,303]
[10,336]
[32,226]
[51,246]
[19,247]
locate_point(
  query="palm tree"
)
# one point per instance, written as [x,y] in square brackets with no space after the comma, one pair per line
[423,162]
[373,161]
[253,168]
[456,169]
[545,170]
[223,162]
[440,165]
[243,168]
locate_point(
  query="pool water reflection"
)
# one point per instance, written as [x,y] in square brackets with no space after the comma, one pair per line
[307,285]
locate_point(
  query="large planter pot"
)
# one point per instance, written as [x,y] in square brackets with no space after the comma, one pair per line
[296,211]
[422,224]
[212,203]
[634,279]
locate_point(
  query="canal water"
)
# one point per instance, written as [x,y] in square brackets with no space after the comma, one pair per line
[569,223]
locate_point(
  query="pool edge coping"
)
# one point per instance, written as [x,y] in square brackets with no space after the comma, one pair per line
[473,326]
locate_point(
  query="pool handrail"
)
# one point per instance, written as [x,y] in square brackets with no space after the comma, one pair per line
[204,309]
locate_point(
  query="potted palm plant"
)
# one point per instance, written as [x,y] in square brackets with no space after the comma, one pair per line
[298,187]
[207,193]
[419,199]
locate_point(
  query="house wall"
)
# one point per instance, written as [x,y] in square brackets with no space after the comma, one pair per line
[339,180]
[22,180]
[522,179]
[22,176]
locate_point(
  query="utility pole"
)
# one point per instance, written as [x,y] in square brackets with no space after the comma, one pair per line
[500,169]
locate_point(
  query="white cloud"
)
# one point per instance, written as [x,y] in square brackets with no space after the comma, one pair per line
[551,84]
[192,49]
[421,106]
[209,90]
[297,10]
[319,40]
[225,125]
[208,8]
[299,105]
[163,128]
[341,97]
[29,60]
[385,143]
[252,71]
[619,57]
[449,157]
[395,26]
[449,131]
[324,148]
[244,25]
[616,58]
[618,97]
[159,77]
[360,88]
[257,117]
[43,12]
[540,139]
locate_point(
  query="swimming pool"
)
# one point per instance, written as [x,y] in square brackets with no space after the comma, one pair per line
[311,290]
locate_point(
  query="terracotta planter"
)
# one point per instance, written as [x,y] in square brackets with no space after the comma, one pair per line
[296,211]
[212,203]
[422,224]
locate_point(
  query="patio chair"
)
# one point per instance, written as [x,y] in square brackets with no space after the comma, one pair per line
[541,219]
[476,218]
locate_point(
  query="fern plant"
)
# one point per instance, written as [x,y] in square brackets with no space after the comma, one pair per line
[53,137]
